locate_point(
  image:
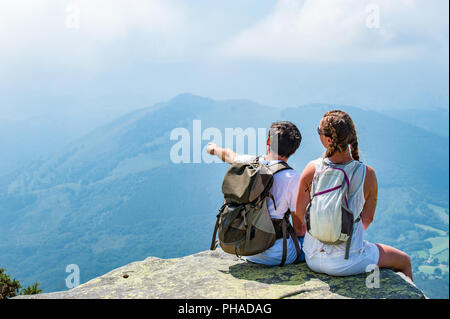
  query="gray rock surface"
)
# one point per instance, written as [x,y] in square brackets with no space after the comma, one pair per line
[215,274]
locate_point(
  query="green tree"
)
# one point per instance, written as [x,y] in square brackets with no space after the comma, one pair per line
[10,288]
[437,272]
[434,262]
[31,290]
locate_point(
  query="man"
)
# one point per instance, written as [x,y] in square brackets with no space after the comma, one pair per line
[283,140]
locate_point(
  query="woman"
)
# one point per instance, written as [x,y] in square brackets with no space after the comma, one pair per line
[338,135]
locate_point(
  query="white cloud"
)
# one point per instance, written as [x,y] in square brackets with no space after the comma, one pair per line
[343,30]
[43,34]
[109,20]
[83,33]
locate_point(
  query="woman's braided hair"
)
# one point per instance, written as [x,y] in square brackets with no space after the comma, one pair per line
[339,126]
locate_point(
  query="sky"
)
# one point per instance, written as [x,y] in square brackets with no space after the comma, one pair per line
[72,65]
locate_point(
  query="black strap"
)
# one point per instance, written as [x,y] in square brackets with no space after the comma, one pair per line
[277,226]
[248,234]
[349,240]
[347,246]
[284,227]
[273,200]
[296,243]
[237,250]
[287,230]
[213,241]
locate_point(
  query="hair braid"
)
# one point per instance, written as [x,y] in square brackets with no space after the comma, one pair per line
[354,148]
[341,129]
[334,138]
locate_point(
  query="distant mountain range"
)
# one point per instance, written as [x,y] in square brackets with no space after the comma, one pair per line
[432,119]
[113,196]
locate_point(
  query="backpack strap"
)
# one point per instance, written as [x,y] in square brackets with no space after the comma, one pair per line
[347,246]
[276,168]
[293,234]
[255,160]
[214,242]
[362,184]
[269,194]
[287,229]
[349,240]
[284,227]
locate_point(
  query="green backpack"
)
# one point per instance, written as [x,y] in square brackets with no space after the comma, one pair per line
[243,225]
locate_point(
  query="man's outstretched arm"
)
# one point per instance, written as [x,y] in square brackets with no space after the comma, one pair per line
[225,154]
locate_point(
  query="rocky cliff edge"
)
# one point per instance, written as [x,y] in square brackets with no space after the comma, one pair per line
[217,275]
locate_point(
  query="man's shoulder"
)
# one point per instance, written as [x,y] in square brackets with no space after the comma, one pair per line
[286,182]
[288,174]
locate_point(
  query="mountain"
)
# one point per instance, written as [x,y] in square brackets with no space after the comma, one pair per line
[116,195]
[432,119]
[30,133]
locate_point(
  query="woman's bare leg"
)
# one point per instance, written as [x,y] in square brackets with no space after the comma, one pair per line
[395,259]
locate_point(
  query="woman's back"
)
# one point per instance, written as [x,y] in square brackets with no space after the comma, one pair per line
[337,133]
[356,172]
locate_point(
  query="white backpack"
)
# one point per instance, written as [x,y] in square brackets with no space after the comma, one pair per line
[328,216]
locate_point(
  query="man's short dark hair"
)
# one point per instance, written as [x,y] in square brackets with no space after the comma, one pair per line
[288,137]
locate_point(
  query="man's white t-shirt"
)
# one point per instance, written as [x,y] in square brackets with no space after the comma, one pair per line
[284,189]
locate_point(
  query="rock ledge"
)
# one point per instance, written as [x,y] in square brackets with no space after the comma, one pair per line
[217,275]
